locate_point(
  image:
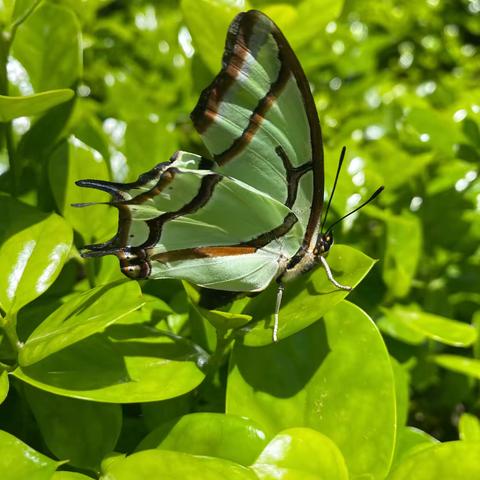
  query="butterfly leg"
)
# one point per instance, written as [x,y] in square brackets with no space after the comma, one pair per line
[280,290]
[330,275]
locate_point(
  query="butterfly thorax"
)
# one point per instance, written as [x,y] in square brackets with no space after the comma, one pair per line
[306,259]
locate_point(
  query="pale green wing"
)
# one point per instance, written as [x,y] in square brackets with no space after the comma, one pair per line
[180,222]
[259,121]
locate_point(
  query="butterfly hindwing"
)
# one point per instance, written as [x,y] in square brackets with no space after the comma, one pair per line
[259,121]
[215,231]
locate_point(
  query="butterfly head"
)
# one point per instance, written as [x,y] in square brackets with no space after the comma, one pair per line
[324,243]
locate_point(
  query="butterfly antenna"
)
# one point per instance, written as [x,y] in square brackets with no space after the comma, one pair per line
[340,162]
[377,192]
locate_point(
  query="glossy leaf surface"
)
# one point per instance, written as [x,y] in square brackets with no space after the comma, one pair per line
[48,45]
[210,434]
[452,460]
[14,107]
[299,453]
[31,260]
[126,364]
[165,464]
[302,384]
[80,317]
[19,461]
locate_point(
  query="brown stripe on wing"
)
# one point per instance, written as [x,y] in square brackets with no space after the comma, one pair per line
[236,50]
[294,174]
[257,116]
[244,248]
[205,191]
[201,252]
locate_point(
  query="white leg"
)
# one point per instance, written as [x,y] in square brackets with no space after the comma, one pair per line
[277,310]
[330,276]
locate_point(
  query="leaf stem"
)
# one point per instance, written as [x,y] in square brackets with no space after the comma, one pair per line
[9,326]
[5,43]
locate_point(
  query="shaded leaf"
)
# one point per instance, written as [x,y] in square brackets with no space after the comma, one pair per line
[82,432]
[72,160]
[83,315]
[126,364]
[302,383]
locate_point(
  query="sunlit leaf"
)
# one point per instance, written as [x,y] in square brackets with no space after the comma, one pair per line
[13,107]
[208,21]
[48,46]
[432,326]
[4,385]
[210,434]
[301,453]
[452,460]
[469,428]
[456,363]
[19,461]
[164,464]
[31,260]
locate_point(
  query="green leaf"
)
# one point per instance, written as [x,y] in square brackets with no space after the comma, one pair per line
[82,432]
[31,260]
[308,24]
[411,440]
[69,476]
[456,363]
[401,377]
[4,385]
[208,21]
[73,160]
[48,46]
[469,428]
[126,364]
[174,465]
[210,434]
[403,250]
[14,107]
[299,453]
[81,316]
[14,12]
[18,461]
[393,325]
[452,460]
[435,327]
[305,300]
[332,377]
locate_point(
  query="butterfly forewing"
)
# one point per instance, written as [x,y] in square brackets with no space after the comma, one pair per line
[259,121]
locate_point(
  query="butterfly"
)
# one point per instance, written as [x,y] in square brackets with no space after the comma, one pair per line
[252,213]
